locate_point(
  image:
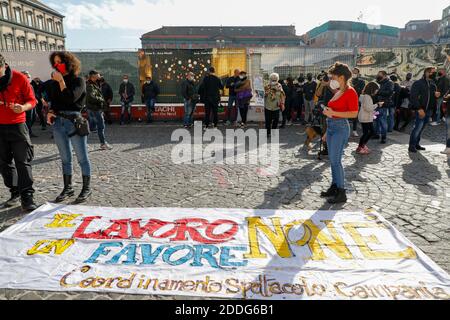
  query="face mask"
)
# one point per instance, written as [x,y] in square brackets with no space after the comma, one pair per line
[379,78]
[274,83]
[309,79]
[355,76]
[241,77]
[440,74]
[61,68]
[148,81]
[125,80]
[334,85]
[433,76]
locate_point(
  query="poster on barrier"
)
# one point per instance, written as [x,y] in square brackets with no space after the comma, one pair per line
[227,253]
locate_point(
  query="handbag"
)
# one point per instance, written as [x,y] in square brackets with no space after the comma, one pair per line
[81,127]
[245,95]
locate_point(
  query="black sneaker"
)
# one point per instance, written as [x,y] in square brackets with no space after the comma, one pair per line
[383,141]
[28,204]
[412,150]
[331,192]
[420,148]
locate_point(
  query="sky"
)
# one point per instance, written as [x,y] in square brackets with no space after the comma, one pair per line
[119,24]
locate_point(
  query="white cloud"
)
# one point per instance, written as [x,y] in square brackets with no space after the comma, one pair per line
[146,15]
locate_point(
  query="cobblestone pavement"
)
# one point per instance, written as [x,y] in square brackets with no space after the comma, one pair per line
[411,191]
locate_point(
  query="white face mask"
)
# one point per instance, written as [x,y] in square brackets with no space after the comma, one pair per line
[334,84]
[241,77]
[355,76]
[125,80]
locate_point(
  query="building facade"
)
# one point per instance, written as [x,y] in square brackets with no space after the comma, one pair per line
[420,32]
[221,37]
[444,30]
[346,34]
[29,25]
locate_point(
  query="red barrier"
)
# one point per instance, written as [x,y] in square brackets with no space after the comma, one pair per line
[163,112]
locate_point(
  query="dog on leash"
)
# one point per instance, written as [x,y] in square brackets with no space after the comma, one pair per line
[312,132]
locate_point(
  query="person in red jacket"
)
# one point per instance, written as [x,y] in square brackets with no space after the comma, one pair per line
[16,98]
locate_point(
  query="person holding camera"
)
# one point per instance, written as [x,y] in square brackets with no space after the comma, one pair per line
[16,98]
[67,95]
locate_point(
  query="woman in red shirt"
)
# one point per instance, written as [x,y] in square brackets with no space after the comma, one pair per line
[342,107]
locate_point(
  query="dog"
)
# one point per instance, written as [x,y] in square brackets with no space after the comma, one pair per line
[312,132]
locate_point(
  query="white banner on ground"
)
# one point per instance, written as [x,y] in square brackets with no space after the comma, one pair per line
[230,253]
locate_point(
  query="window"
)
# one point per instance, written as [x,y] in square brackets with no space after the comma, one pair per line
[40,22]
[43,46]
[413,27]
[60,48]
[9,43]
[29,19]
[33,45]
[5,11]
[52,47]
[18,15]
[50,25]
[58,28]
[21,43]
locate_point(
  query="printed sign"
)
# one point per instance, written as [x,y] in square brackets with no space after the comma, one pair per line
[229,253]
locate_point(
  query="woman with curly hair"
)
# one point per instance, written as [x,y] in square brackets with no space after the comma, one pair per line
[67,94]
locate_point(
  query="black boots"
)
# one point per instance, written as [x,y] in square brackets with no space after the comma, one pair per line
[14,200]
[331,192]
[340,197]
[28,204]
[86,191]
[335,194]
[68,190]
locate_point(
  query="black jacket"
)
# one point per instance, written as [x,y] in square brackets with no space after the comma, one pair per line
[107,92]
[150,91]
[72,98]
[188,89]
[396,102]
[423,95]
[358,84]
[309,90]
[443,85]
[231,85]
[210,89]
[127,88]
[385,93]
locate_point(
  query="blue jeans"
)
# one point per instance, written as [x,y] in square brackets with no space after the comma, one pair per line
[437,116]
[61,131]
[419,126]
[391,119]
[126,106]
[98,121]
[232,110]
[381,125]
[338,133]
[189,109]
[150,103]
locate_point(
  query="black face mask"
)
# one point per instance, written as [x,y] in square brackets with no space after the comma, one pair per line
[309,79]
[433,76]
[379,78]
[440,74]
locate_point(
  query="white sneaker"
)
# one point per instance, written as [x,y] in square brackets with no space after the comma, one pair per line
[105,146]
[355,134]
[446,151]
[434,123]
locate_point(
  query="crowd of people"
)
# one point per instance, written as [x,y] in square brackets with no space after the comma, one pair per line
[338,101]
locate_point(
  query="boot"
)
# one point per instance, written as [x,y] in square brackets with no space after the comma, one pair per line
[331,192]
[14,200]
[28,204]
[86,191]
[340,197]
[68,190]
